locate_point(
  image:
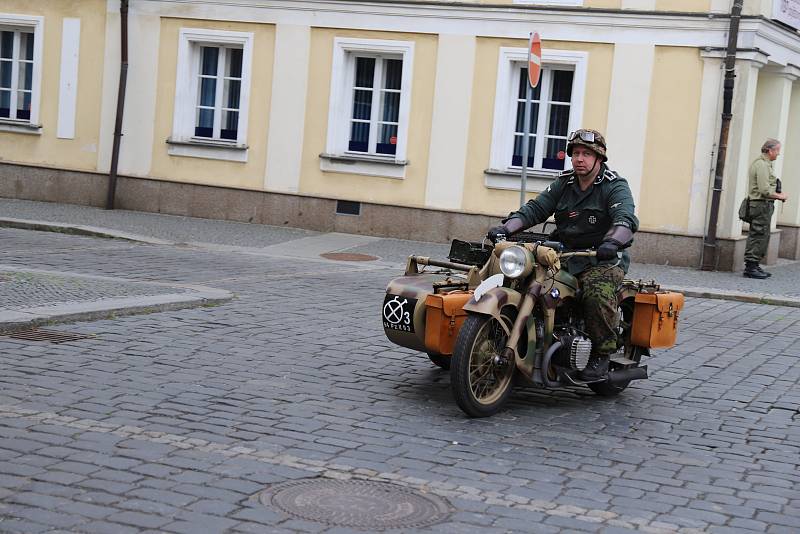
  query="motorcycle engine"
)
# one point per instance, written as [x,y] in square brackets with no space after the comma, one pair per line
[574,352]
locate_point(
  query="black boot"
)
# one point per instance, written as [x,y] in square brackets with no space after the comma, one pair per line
[763,271]
[596,369]
[752,270]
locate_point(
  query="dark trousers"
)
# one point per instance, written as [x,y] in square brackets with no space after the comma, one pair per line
[758,236]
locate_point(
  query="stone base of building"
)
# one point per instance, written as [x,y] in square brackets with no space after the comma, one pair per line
[790,242]
[320,214]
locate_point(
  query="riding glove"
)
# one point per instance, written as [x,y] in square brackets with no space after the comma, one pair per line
[607,251]
[498,233]
[618,236]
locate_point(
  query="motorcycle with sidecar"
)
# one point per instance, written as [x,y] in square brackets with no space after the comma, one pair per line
[507,314]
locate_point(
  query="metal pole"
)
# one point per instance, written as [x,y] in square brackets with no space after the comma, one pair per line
[123,78]
[710,249]
[526,128]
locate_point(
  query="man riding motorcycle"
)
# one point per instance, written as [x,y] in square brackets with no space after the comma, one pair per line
[593,207]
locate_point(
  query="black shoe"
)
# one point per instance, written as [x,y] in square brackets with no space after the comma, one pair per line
[752,270]
[763,271]
[596,369]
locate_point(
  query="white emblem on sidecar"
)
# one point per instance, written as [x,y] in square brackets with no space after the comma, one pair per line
[490,283]
[394,313]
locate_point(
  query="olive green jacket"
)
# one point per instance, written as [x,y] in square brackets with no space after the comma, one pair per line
[583,217]
[762,179]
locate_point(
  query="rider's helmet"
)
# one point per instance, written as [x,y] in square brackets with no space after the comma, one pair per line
[591,139]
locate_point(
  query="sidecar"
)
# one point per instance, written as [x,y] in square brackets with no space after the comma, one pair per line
[422,309]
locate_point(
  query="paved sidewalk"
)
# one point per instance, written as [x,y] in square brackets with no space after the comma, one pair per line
[780,289]
[33,297]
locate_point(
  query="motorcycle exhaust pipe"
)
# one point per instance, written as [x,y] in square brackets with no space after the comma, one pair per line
[625,375]
[546,365]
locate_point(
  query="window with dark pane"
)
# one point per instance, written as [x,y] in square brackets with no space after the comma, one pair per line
[549,124]
[362,104]
[519,123]
[6,67]
[231,94]
[219,92]
[206,91]
[390,106]
[376,105]
[16,60]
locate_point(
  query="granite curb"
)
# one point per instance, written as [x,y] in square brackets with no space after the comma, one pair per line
[12,321]
[739,296]
[78,229]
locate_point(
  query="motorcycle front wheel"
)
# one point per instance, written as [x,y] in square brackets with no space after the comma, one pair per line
[480,378]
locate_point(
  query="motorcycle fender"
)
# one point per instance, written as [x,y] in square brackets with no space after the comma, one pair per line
[493,301]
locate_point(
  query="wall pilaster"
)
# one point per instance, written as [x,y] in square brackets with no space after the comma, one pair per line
[706,143]
[739,155]
[789,169]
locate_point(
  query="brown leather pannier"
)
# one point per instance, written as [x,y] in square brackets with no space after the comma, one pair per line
[655,319]
[443,319]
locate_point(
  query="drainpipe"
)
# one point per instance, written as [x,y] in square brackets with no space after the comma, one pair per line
[710,258]
[123,78]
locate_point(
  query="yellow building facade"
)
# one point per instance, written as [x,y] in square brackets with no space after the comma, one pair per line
[401,119]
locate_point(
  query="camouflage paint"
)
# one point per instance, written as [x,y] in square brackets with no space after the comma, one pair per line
[417,286]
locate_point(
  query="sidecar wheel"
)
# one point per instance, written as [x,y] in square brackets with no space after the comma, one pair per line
[481,383]
[443,362]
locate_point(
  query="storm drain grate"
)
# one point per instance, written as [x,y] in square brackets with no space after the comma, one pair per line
[361,504]
[348,256]
[49,336]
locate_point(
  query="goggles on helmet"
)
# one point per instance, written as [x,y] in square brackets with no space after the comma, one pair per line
[585,135]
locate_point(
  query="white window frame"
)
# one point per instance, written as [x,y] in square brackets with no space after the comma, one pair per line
[505,111]
[337,157]
[34,24]
[183,141]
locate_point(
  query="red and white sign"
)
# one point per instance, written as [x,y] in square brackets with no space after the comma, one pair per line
[535,60]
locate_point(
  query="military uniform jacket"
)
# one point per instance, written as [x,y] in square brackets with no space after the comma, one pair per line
[762,179]
[583,217]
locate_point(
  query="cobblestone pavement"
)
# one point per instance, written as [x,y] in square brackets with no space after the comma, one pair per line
[175,421]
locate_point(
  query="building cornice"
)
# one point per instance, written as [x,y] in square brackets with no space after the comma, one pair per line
[554,23]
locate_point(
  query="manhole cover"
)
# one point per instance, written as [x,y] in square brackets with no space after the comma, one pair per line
[50,336]
[348,256]
[359,504]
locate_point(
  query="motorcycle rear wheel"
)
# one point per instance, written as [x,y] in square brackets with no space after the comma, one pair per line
[481,383]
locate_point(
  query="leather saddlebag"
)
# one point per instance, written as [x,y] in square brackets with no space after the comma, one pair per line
[443,319]
[655,319]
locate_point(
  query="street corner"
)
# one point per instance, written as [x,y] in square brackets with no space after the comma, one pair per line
[33,297]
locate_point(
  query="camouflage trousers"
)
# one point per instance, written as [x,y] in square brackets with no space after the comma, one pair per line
[758,235]
[599,304]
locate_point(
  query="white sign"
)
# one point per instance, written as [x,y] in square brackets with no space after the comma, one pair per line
[787,11]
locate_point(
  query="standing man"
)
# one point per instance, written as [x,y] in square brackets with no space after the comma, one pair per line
[761,194]
[593,207]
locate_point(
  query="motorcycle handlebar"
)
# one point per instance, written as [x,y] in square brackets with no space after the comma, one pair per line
[585,253]
[558,247]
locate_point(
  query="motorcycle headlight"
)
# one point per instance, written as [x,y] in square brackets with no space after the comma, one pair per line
[514,262]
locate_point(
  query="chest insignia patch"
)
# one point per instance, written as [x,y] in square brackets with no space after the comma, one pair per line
[592,219]
[572,214]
